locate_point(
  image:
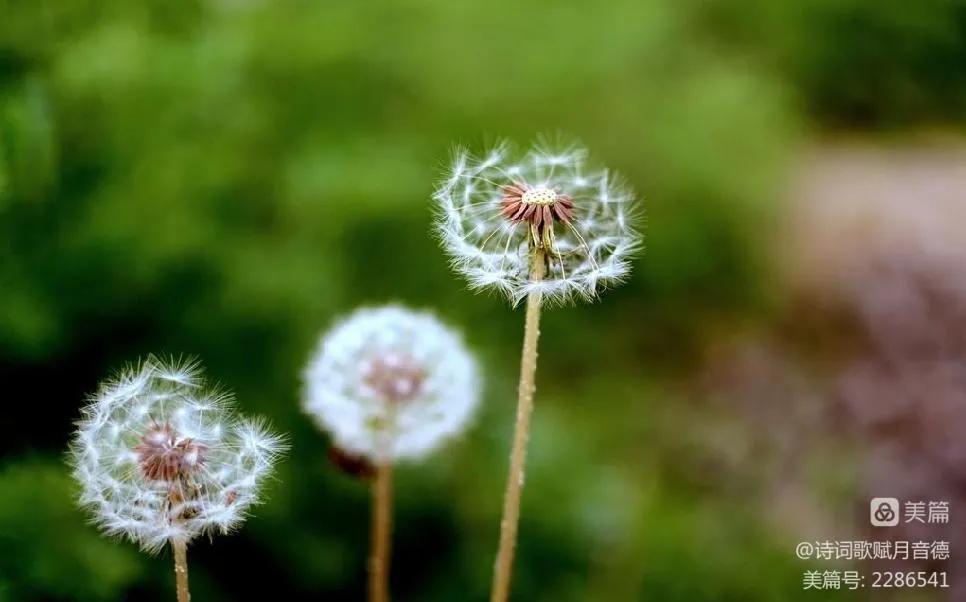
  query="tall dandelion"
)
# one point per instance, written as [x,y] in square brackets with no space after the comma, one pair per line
[162,459]
[389,384]
[540,226]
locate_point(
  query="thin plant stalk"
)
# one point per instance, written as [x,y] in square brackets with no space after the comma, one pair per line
[381,533]
[181,570]
[503,569]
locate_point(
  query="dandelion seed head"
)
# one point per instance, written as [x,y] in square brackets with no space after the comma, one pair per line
[389,384]
[159,457]
[493,212]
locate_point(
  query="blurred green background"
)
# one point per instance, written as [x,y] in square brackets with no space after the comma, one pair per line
[224,178]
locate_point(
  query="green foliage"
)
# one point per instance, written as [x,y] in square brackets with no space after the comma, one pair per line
[859,63]
[46,549]
[207,154]
[888,61]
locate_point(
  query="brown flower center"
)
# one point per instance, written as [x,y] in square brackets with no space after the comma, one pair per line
[394,377]
[165,456]
[540,207]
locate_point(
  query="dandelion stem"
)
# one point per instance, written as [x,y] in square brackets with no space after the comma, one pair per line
[514,487]
[381,533]
[181,569]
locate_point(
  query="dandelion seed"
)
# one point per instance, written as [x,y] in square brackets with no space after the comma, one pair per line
[562,231]
[388,384]
[159,458]
[376,377]
[581,220]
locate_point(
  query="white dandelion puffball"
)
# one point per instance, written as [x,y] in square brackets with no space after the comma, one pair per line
[390,383]
[492,212]
[162,458]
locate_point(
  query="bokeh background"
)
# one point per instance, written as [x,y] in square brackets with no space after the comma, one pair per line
[224,178]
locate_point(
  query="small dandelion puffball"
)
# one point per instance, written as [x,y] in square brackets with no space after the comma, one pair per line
[161,458]
[391,384]
[492,212]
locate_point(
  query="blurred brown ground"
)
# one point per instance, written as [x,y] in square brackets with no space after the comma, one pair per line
[853,200]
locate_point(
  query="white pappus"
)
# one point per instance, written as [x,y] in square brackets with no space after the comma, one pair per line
[389,383]
[162,458]
[493,211]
